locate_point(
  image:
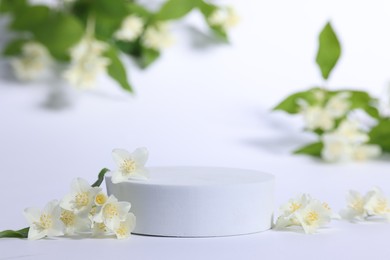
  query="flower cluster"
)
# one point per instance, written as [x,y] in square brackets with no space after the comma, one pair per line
[85,210]
[329,113]
[361,207]
[32,63]
[89,39]
[305,212]
[87,62]
[348,142]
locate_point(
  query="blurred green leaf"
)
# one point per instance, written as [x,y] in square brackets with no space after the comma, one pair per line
[60,32]
[148,56]
[116,69]
[30,17]
[22,233]
[175,9]
[290,104]
[380,134]
[12,6]
[206,8]
[14,47]
[138,10]
[313,149]
[329,50]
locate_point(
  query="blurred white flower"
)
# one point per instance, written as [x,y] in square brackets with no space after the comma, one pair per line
[126,227]
[377,204]
[33,63]
[157,36]
[81,197]
[348,142]
[355,207]
[366,151]
[74,223]
[336,148]
[131,28]
[130,165]
[338,105]
[87,62]
[224,17]
[352,132]
[313,216]
[113,213]
[46,222]
[359,207]
[316,117]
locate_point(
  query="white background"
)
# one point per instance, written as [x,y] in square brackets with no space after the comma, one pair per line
[209,106]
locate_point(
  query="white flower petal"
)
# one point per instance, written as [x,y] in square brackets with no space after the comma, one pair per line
[140,155]
[119,155]
[32,215]
[34,233]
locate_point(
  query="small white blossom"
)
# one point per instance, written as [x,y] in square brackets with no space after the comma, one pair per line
[366,151]
[338,105]
[360,207]
[352,132]
[100,199]
[87,63]
[130,165]
[355,207]
[131,28]
[287,217]
[336,148]
[224,17]
[126,227]
[157,36]
[313,216]
[74,223]
[33,63]
[46,222]
[316,117]
[112,213]
[81,197]
[377,204]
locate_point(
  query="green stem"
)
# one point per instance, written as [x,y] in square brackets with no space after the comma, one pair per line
[22,233]
[100,177]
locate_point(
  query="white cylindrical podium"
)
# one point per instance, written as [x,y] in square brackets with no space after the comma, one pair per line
[199,201]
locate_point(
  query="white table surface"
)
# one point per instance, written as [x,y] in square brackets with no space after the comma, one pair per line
[208,107]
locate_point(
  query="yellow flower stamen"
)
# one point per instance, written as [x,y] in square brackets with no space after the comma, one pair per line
[294,206]
[81,199]
[128,167]
[100,199]
[122,230]
[110,211]
[311,217]
[45,221]
[68,217]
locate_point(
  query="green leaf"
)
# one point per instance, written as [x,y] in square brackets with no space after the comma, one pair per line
[175,9]
[14,47]
[220,33]
[313,149]
[380,134]
[116,69]
[329,50]
[206,8]
[148,56]
[12,6]
[22,233]
[61,32]
[290,104]
[138,10]
[100,177]
[30,18]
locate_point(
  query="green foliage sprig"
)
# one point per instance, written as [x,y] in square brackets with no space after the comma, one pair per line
[60,28]
[329,113]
